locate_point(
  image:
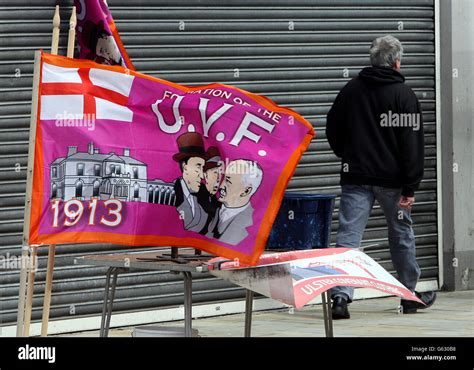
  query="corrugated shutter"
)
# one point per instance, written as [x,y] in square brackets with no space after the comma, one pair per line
[299,53]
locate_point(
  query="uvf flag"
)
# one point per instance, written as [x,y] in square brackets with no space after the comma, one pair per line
[125,158]
[97,35]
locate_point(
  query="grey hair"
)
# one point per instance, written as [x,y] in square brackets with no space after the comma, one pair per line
[385,51]
[251,171]
[253,177]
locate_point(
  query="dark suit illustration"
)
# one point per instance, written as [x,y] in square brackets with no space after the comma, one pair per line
[208,191]
[191,158]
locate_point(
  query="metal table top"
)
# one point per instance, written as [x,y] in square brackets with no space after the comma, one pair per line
[135,261]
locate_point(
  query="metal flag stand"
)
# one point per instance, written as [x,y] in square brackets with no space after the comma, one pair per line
[174,256]
[30,252]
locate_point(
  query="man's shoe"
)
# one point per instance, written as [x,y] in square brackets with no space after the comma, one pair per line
[428,298]
[339,309]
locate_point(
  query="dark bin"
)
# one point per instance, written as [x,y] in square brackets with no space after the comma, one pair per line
[303,222]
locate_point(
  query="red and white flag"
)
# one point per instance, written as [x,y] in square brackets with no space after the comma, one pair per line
[84,92]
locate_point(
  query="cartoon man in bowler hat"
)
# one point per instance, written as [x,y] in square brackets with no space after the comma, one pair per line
[208,191]
[192,159]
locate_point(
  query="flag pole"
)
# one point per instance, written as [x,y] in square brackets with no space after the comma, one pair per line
[48,287]
[20,327]
[52,248]
[71,34]
[55,38]
[25,303]
[30,291]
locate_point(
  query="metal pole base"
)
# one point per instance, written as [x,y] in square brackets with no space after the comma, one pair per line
[109,296]
[188,304]
[326,300]
[248,313]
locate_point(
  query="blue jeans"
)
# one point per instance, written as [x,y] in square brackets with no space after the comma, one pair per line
[354,210]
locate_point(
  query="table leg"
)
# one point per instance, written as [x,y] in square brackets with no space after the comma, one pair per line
[109,296]
[326,303]
[188,303]
[106,299]
[174,252]
[331,332]
[325,313]
[248,312]
[111,303]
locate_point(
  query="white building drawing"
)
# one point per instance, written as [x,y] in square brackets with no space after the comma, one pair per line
[91,174]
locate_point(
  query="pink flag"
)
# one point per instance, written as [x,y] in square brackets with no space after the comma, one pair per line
[122,157]
[97,35]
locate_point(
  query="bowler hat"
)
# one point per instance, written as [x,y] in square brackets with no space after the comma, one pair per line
[190,145]
[214,158]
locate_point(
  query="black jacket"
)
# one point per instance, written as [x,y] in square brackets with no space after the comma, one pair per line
[363,129]
[209,203]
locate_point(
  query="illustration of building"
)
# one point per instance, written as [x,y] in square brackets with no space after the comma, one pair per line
[85,175]
[160,192]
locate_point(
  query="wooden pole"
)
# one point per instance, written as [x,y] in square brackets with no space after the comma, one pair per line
[22,293]
[55,38]
[47,290]
[29,187]
[31,287]
[52,248]
[72,33]
[25,286]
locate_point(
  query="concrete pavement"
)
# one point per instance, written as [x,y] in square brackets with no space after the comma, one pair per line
[451,316]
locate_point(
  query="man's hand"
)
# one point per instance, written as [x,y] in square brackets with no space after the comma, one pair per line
[406,202]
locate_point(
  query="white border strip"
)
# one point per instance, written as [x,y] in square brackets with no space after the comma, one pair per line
[177,313]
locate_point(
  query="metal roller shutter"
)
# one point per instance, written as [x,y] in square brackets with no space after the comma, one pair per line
[299,53]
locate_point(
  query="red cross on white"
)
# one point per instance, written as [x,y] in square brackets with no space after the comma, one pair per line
[81,93]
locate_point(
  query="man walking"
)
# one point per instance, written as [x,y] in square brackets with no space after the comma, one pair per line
[375,126]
